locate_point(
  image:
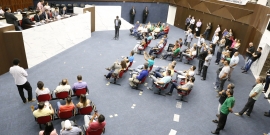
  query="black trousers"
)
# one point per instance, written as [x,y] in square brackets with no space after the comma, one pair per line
[204,71]
[132,19]
[221,122]
[116,31]
[248,107]
[214,48]
[200,66]
[267,82]
[218,57]
[222,82]
[144,19]
[28,88]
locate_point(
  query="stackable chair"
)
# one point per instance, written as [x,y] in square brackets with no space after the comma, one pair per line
[44,97]
[161,88]
[183,94]
[116,77]
[43,120]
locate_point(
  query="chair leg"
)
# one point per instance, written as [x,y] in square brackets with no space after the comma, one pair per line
[137,88]
[114,82]
[182,99]
[40,126]
[159,93]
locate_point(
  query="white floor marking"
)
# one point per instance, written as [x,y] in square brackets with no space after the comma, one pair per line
[108,83]
[64,62]
[173,132]
[176,117]
[140,93]
[132,107]
[115,115]
[111,116]
[82,67]
[145,84]
[179,105]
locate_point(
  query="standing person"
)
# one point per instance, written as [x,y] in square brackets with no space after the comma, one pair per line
[206,64]
[221,47]
[19,75]
[266,86]
[224,111]
[256,55]
[187,22]
[40,6]
[189,38]
[223,75]
[199,44]
[201,57]
[117,24]
[1,11]
[11,19]
[207,30]
[253,97]
[198,27]
[132,13]
[191,23]
[249,51]
[236,47]
[233,63]
[214,42]
[216,31]
[145,14]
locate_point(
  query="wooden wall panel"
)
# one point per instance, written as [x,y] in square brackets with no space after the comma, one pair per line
[16,4]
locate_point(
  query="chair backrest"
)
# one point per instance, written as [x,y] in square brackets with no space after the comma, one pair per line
[44,119]
[44,97]
[121,73]
[62,95]
[150,69]
[57,5]
[78,92]
[94,132]
[143,80]
[184,93]
[85,111]
[66,114]
[130,64]
[69,5]
[82,5]
[75,5]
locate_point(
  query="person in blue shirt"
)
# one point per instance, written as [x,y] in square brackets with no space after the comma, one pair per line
[136,78]
[149,61]
[130,58]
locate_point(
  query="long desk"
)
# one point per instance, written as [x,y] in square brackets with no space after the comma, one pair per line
[43,42]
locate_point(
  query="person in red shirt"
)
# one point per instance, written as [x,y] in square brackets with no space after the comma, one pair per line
[165,31]
[67,107]
[94,125]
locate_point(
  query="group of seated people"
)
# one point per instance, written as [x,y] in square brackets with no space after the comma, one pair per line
[157,30]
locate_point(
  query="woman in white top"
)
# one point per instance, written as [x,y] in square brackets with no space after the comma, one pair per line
[191,23]
[41,90]
[198,27]
[186,74]
[47,6]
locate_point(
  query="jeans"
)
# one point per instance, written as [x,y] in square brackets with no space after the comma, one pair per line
[248,65]
[28,88]
[246,60]
[248,107]
[158,74]
[160,34]
[174,85]
[218,57]
[160,69]
[116,31]
[204,71]
[217,83]
[206,33]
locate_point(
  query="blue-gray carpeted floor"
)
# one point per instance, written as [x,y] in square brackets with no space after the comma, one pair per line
[152,115]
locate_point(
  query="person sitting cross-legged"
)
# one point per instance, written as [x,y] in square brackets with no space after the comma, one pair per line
[159,74]
[161,81]
[189,53]
[186,74]
[165,68]
[80,84]
[150,61]
[116,68]
[175,51]
[186,87]
[94,122]
[157,47]
[136,78]
[67,107]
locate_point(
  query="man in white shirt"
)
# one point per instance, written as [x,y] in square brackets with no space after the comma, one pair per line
[206,64]
[233,62]
[1,11]
[199,44]
[64,86]
[214,42]
[223,75]
[19,75]
[40,6]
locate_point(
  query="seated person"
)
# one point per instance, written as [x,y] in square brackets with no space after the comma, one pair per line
[139,31]
[83,102]
[41,90]
[68,128]
[149,25]
[26,22]
[136,78]
[175,52]
[165,68]
[130,58]
[80,84]
[186,74]
[139,46]
[46,15]
[69,106]
[95,122]
[157,47]
[189,53]
[64,86]
[159,74]
[39,17]
[43,110]
[64,11]
[149,60]
[186,87]
[55,13]
[49,130]
[133,30]
[156,31]
[116,68]
[165,31]
[171,46]
[161,81]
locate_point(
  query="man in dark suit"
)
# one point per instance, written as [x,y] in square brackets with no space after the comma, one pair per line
[11,19]
[145,14]
[117,24]
[63,11]
[132,13]
[26,22]
[39,17]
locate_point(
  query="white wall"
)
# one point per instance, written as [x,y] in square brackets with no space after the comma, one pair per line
[171,15]
[257,66]
[262,2]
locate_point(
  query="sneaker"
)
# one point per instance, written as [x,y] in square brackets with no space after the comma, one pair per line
[107,69]
[215,121]
[169,93]
[237,114]
[33,100]
[216,63]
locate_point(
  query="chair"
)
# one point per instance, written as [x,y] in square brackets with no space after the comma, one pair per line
[161,88]
[44,97]
[43,120]
[82,5]
[57,5]
[93,132]
[150,69]
[115,77]
[175,56]
[130,64]
[65,115]
[190,59]
[144,47]
[86,110]
[136,87]
[62,5]
[160,50]
[75,5]
[183,94]
[62,95]
[70,8]
[79,92]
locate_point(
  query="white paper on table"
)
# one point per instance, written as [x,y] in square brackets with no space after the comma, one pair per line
[181,76]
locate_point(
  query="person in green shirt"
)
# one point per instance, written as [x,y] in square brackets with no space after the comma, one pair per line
[175,51]
[225,109]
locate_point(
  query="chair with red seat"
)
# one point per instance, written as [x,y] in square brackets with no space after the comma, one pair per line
[140,50]
[160,50]
[44,97]
[115,77]
[189,59]
[43,120]
[130,64]
[183,94]
[62,95]
[93,132]
[65,115]
[86,110]
[79,92]
[136,87]
[161,88]
[150,69]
